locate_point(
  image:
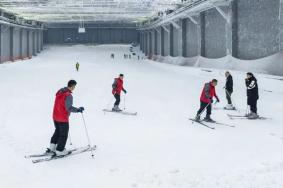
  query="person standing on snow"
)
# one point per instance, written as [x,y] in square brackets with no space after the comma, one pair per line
[229,90]
[117,87]
[63,106]
[77,66]
[252,94]
[206,99]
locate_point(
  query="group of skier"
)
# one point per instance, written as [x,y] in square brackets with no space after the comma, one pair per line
[63,105]
[208,93]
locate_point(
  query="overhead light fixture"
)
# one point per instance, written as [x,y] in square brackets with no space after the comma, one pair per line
[81,30]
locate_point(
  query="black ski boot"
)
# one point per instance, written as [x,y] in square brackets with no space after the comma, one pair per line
[116,109]
[197,118]
[208,119]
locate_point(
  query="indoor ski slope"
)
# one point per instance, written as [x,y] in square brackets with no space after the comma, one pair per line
[159,147]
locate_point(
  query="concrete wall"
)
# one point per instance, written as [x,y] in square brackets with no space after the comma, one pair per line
[34,43]
[92,35]
[192,38]
[158,42]
[30,42]
[214,34]
[177,41]
[246,29]
[152,42]
[24,43]
[281,26]
[155,42]
[5,43]
[166,41]
[18,42]
[257,28]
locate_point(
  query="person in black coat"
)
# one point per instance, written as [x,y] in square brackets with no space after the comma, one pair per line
[252,94]
[229,90]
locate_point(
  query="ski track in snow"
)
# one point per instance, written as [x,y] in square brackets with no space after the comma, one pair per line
[159,147]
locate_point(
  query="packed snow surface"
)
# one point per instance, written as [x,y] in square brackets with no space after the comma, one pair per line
[159,147]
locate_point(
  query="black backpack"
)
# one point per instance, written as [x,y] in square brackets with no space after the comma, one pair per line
[114,85]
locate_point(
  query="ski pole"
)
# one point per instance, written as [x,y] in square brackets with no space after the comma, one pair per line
[70,138]
[86,131]
[247,110]
[125,102]
[203,109]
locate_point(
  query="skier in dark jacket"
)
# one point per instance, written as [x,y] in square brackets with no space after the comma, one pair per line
[117,87]
[206,100]
[229,90]
[252,94]
[63,106]
[77,66]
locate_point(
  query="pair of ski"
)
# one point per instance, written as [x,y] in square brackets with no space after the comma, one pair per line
[37,158]
[121,112]
[201,122]
[234,117]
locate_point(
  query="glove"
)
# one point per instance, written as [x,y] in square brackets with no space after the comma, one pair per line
[217,99]
[211,101]
[125,91]
[81,109]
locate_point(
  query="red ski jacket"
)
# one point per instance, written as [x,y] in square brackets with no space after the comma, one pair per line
[117,86]
[208,93]
[60,112]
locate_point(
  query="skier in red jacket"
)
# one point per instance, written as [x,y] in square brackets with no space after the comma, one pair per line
[206,99]
[117,87]
[63,106]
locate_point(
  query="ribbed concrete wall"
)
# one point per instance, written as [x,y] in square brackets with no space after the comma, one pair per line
[158,41]
[214,34]
[5,43]
[246,29]
[167,41]
[24,43]
[16,44]
[30,42]
[258,28]
[192,38]
[92,35]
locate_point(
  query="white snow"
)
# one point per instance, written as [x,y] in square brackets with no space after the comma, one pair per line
[159,147]
[268,65]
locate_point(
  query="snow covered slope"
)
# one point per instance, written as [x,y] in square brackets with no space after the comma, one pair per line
[159,147]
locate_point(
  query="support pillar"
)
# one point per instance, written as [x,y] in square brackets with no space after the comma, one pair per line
[158,41]
[0,43]
[176,39]
[152,33]
[165,41]
[11,57]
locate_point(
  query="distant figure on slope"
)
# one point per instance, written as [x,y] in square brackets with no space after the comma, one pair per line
[252,94]
[63,106]
[117,87]
[206,99]
[77,66]
[229,90]
[112,56]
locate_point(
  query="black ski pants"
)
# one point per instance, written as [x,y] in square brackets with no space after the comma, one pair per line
[204,105]
[60,135]
[228,96]
[253,104]
[118,99]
